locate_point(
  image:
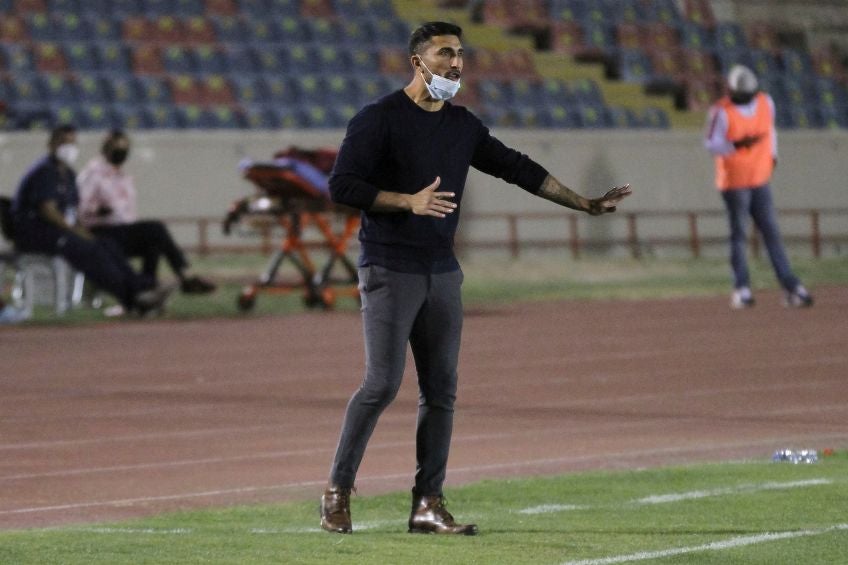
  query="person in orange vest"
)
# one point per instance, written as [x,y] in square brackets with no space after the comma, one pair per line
[741,135]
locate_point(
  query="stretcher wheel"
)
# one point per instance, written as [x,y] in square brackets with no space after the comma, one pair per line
[247,299]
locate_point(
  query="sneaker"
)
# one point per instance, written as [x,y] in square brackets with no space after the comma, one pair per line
[152,300]
[197,285]
[741,298]
[798,298]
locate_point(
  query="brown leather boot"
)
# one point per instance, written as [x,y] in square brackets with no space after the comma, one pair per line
[429,516]
[335,510]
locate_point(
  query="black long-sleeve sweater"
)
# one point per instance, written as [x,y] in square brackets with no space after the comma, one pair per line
[396,146]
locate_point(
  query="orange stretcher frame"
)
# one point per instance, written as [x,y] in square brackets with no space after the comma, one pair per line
[298,205]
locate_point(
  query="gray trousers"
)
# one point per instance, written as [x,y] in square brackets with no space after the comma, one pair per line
[426,312]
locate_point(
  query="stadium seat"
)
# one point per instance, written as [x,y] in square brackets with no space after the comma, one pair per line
[70,26]
[699,12]
[59,88]
[49,57]
[125,89]
[796,63]
[211,59]
[113,57]
[729,36]
[198,30]
[696,37]
[313,8]
[653,117]
[179,59]
[272,60]
[122,9]
[262,116]
[593,116]
[81,56]
[262,30]
[633,66]
[98,116]
[561,116]
[623,118]
[279,89]
[185,88]
[94,88]
[13,29]
[221,8]
[230,28]
[41,27]
[216,90]
[104,28]
[155,90]
[296,30]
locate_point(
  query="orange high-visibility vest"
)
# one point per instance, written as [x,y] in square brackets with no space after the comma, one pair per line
[752,166]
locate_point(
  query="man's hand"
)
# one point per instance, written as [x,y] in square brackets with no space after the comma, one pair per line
[608,202]
[428,202]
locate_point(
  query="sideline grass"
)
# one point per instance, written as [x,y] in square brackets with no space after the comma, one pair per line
[738,512]
[491,278]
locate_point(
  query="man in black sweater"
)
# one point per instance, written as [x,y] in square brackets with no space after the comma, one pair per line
[404,163]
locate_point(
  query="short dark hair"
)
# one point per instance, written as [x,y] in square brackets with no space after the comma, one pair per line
[431,29]
[61,131]
[111,138]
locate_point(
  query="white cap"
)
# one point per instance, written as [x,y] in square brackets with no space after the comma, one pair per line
[742,79]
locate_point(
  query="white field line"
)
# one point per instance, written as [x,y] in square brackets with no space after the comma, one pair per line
[680,496]
[730,543]
[471,469]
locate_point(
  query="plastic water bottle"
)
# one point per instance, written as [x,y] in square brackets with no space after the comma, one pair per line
[795,456]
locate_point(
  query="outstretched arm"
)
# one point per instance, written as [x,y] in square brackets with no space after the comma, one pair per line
[557,192]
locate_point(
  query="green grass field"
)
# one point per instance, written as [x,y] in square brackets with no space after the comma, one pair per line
[496,279]
[747,512]
[752,512]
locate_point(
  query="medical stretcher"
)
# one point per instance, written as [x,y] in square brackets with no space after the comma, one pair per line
[291,192]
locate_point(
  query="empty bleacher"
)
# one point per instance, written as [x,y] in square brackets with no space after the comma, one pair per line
[270,64]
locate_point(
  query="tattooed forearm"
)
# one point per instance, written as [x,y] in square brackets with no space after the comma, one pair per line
[555,191]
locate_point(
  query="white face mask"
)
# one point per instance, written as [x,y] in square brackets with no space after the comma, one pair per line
[440,88]
[68,153]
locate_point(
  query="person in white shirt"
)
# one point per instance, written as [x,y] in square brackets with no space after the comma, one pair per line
[108,209]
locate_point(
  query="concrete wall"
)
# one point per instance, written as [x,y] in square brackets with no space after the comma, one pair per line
[196,173]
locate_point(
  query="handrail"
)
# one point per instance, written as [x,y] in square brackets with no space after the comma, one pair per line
[691,236]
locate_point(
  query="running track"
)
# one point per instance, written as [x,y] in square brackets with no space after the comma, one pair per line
[123,419]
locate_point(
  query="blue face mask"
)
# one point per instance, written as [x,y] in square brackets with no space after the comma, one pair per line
[440,88]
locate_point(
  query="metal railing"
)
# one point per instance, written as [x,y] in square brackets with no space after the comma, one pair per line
[689,235]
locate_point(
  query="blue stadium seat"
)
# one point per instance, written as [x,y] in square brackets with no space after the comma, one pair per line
[293,29]
[255,8]
[68,113]
[179,59]
[180,8]
[586,91]
[328,58]
[310,88]
[124,8]
[262,116]
[528,92]
[95,88]
[341,90]
[272,59]
[653,117]
[633,66]
[389,31]
[58,88]
[243,59]
[211,59]
[764,63]
[354,8]
[696,37]
[279,89]
[569,10]
[728,57]
[17,58]
[319,116]
[263,31]
[593,116]
[729,36]
[27,87]
[132,116]
[623,118]
[361,59]
[249,88]
[321,30]
[41,27]
[104,27]
[493,92]
[833,116]
[230,29]
[81,56]
[126,89]
[63,6]
[98,116]
[556,91]
[279,8]
[372,87]
[163,116]
[112,57]
[796,63]
[71,26]
[154,90]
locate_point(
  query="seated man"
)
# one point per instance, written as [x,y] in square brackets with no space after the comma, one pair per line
[44,221]
[108,209]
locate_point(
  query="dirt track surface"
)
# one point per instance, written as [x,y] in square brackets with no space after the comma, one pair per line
[117,420]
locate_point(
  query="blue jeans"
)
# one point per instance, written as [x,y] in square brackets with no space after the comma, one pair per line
[757,203]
